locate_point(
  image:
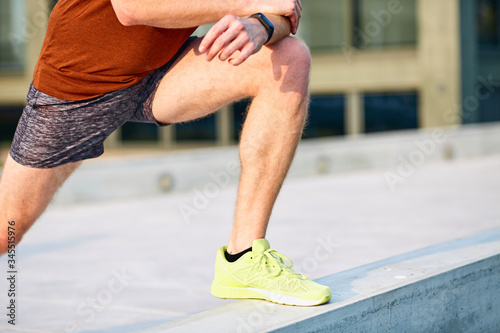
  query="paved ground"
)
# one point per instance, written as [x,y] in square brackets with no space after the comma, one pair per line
[122,266]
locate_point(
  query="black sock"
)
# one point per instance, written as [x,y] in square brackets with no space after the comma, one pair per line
[234,257]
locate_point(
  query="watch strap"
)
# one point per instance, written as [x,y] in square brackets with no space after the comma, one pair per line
[266,23]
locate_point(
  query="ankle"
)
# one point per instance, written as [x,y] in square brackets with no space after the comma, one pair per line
[235,250]
[234,257]
[237,247]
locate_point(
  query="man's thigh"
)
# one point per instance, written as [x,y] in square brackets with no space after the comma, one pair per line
[194,87]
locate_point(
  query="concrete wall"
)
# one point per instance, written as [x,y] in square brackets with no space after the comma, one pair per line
[439,62]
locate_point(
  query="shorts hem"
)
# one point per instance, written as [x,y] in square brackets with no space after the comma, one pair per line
[48,165]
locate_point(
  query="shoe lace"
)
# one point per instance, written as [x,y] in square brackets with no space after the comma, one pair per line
[275,260]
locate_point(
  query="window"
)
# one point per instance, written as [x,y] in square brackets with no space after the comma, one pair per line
[390,111]
[488,37]
[9,116]
[326,117]
[12,39]
[489,109]
[337,24]
[132,131]
[52,3]
[488,23]
[384,23]
[203,129]
[323,23]
[239,114]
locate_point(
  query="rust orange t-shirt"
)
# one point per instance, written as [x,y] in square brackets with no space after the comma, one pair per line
[87,52]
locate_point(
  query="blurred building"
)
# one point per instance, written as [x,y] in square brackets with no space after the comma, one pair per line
[378,65]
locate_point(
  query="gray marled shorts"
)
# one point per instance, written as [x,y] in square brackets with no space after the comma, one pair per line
[53,132]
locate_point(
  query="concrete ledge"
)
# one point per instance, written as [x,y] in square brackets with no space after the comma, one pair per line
[116,179]
[451,287]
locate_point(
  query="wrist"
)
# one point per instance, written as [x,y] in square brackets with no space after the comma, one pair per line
[266,24]
[263,34]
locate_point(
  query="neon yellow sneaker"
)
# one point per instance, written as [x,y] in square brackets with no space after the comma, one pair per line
[262,274]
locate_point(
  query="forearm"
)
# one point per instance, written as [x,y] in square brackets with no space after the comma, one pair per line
[282,27]
[176,14]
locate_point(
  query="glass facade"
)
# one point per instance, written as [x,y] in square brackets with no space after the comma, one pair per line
[490,108]
[203,129]
[326,117]
[323,24]
[327,26]
[384,23]
[139,132]
[480,53]
[391,111]
[194,131]
[363,24]
[488,38]
[488,24]
[52,3]
[239,114]
[12,35]
[9,116]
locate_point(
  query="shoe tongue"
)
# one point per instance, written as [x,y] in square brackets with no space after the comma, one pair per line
[260,245]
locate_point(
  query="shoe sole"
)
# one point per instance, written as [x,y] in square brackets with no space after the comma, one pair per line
[255,293]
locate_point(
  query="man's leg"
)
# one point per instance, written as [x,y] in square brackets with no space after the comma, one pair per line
[277,77]
[25,193]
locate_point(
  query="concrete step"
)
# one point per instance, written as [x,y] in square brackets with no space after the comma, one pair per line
[450,287]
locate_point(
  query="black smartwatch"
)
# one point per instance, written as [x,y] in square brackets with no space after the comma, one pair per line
[266,23]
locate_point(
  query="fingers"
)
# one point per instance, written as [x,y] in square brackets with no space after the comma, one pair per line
[233,36]
[213,34]
[298,15]
[220,44]
[295,16]
[232,48]
[246,52]
[220,36]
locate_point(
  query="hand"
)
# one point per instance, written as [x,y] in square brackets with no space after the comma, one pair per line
[234,38]
[292,9]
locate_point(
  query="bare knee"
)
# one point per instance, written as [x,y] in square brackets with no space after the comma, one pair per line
[294,52]
[285,64]
[291,61]
[287,84]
